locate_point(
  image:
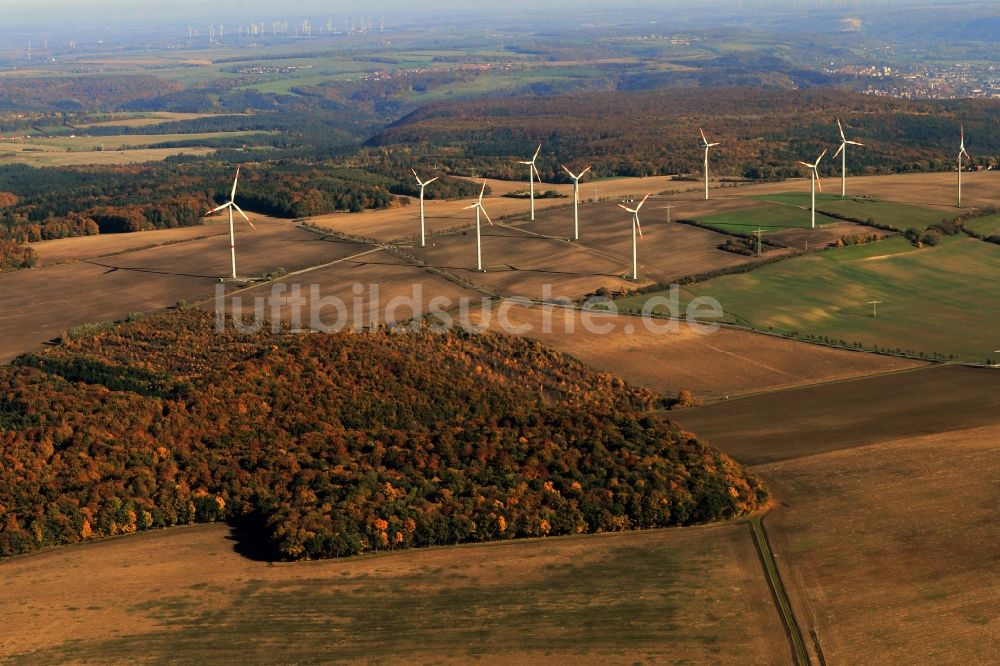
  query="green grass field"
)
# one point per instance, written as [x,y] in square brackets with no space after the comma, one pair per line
[896,215]
[987,226]
[939,300]
[769,218]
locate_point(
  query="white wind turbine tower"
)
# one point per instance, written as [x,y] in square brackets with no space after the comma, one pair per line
[707,145]
[532,173]
[635,228]
[576,199]
[231,204]
[842,151]
[961,151]
[479,209]
[423,184]
[813,181]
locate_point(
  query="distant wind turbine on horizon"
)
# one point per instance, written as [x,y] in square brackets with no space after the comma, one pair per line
[231,204]
[635,228]
[423,184]
[479,209]
[813,182]
[842,151]
[961,151]
[576,199]
[532,173]
[707,145]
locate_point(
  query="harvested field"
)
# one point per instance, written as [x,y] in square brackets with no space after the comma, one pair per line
[519,263]
[666,252]
[726,363]
[807,421]
[52,158]
[40,304]
[404,222]
[891,550]
[374,287]
[937,190]
[183,595]
[63,250]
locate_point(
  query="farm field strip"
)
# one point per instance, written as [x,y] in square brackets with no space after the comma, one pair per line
[53,158]
[810,420]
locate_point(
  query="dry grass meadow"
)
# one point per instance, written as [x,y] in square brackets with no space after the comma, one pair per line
[183,595]
[890,551]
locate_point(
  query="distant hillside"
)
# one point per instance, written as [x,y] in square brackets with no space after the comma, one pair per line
[764,132]
[331,445]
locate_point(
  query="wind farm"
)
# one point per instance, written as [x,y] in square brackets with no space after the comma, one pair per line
[757,424]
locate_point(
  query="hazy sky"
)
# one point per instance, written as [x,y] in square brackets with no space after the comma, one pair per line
[60,14]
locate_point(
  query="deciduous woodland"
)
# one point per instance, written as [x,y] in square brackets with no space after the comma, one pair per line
[764,132]
[340,444]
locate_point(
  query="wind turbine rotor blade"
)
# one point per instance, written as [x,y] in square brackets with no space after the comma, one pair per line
[819,182]
[821,155]
[713,145]
[637,225]
[537,175]
[640,203]
[537,151]
[222,207]
[232,196]
[523,162]
[840,150]
[481,193]
[487,215]
[569,172]
[475,205]
[431,180]
[584,171]
[841,128]
[855,143]
[244,216]
[624,207]
[414,171]
[703,139]
[805,164]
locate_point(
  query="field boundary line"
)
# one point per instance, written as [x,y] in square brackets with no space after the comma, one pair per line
[800,655]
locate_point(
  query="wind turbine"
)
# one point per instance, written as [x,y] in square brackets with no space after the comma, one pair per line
[231,204]
[842,151]
[707,146]
[635,227]
[576,199]
[961,151]
[532,172]
[479,209]
[813,181]
[422,184]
